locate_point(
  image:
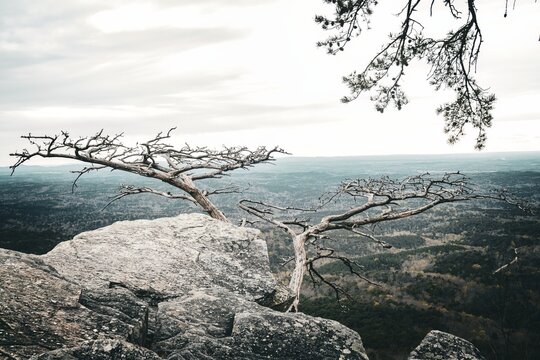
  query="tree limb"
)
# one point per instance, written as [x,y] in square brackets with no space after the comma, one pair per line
[384,199]
[127,190]
[154,158]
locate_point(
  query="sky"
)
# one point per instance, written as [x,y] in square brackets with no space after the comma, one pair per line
[243,72]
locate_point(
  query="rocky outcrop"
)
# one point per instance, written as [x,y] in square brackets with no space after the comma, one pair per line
[438,345]
[216,323]
[40,310]
[187,287]
[106,349]
[170,256]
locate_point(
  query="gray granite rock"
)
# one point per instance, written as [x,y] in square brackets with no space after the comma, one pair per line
[40,310]
[105,349]
[187,287]
[438,345]
[215,323]
[169,255]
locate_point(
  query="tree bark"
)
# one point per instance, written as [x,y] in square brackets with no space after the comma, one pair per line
[297,276]
[207,205]
[188,186]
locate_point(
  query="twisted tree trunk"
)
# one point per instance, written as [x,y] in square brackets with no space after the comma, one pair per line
[187,184]
[297,277]
[208,206]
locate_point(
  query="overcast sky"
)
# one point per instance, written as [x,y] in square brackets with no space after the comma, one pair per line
[242,72]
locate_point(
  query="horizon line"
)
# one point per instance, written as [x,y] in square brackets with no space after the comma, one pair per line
[476,153]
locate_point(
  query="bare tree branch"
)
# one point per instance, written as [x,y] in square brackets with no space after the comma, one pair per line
[154,158]
[251,208]
[373,201]
[384,244]
[126,190]
[81,172]
[231,189]
[507,265]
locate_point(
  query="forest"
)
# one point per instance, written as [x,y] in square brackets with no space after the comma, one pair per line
[437,275]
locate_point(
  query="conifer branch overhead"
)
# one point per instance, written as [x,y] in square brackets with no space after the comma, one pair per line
[453,59]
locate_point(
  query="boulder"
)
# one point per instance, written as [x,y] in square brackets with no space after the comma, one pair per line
[168,255]
[188,287]
[218,324]
[438,345]
[40,310]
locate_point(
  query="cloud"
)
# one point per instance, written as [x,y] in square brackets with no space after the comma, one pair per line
[234,69]
[62,60]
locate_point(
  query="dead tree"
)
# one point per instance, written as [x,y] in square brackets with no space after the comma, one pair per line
[374,201]
[179,167]
[453,59]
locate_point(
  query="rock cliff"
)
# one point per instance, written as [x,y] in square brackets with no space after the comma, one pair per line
[187,287]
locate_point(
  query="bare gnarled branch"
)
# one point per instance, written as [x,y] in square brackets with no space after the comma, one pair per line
[373,201]
[154,158]
[127,190]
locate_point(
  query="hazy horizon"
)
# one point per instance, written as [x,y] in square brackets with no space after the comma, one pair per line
[408,164]
[47,162]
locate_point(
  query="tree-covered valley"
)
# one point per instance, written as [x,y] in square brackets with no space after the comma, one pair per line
[439,273]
